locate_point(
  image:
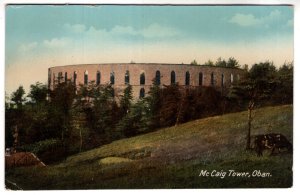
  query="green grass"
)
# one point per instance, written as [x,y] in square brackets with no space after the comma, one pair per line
[173,158]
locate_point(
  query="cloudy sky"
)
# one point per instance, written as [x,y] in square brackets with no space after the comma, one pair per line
[41,36]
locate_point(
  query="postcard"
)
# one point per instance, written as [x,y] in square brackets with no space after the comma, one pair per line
[148,96]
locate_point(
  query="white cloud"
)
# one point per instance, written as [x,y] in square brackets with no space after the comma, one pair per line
[244,20]
[76,28]
[124,30]
[274,15]
[251,20]
[156,30]
[28,47]
[56,42]
[152,31]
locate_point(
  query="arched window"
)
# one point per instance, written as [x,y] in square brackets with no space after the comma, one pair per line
[212,79]
[54,79]
[200,79]
[66,76]
[157,77]
[231,78]
[222,80]
[49,78]
[60,77]
[238,77]
[98,77]
[127,77]
[86,77]
[112,78]
[75,77]
[142,79]
[142,92]
[173,77]
[187,78]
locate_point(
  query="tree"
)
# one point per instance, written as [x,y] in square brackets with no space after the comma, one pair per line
[18,97]
[136,121]
[256,87]
[38,93]
[194,62]
[232,63]
[221,62]
[105,111]
[126,99]
[284,85]
[62,99]
[171,96]
[154,103]
[209,63]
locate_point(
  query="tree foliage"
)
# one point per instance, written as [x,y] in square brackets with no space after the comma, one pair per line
[256,89]
[38,93]
[209,63]
[194,62]
[18,97]
[92,115]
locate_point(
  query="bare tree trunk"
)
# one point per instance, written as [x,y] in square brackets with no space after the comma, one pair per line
[16,137]
[180,108]
[80,146]
[250,118]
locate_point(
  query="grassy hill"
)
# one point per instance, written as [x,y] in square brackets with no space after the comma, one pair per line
[174,157]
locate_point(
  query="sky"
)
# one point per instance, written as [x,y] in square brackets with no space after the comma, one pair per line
[42,36]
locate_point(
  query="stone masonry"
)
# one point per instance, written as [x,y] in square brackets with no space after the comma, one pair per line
[211,75]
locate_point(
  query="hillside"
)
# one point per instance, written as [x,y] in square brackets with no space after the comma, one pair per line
[173,158]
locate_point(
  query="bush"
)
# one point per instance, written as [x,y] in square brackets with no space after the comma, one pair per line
[50,150]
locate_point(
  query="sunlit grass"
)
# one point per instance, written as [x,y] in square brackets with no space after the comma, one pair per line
[173,157]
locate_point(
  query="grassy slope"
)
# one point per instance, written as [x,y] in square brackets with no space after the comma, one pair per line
[173,157]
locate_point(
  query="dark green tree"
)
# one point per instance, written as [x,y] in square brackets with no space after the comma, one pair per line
[194,62]
[62,98]
[221,62]
[126,100]
[136,121]
[256,87]
[38,93]
[105,112]
[18,97]
[170,98]
[284,85]
[209,63]
[232,62]
[153,102]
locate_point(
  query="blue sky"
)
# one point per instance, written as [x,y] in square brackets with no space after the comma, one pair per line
[40,36]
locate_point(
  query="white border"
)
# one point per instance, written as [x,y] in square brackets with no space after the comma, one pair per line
[296,186]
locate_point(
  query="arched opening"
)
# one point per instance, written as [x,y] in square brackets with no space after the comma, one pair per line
[66,76]
[142,79]
[59,77]
[222,80]
[200,79]
[231,78]
[127,77]
[75,77]
[54,79]
[238,77]
[86,77]
[142,93]
[49,77]
[212,79]
[157,77]
[173,77]
[112,78]
[98,78]
[187,78]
